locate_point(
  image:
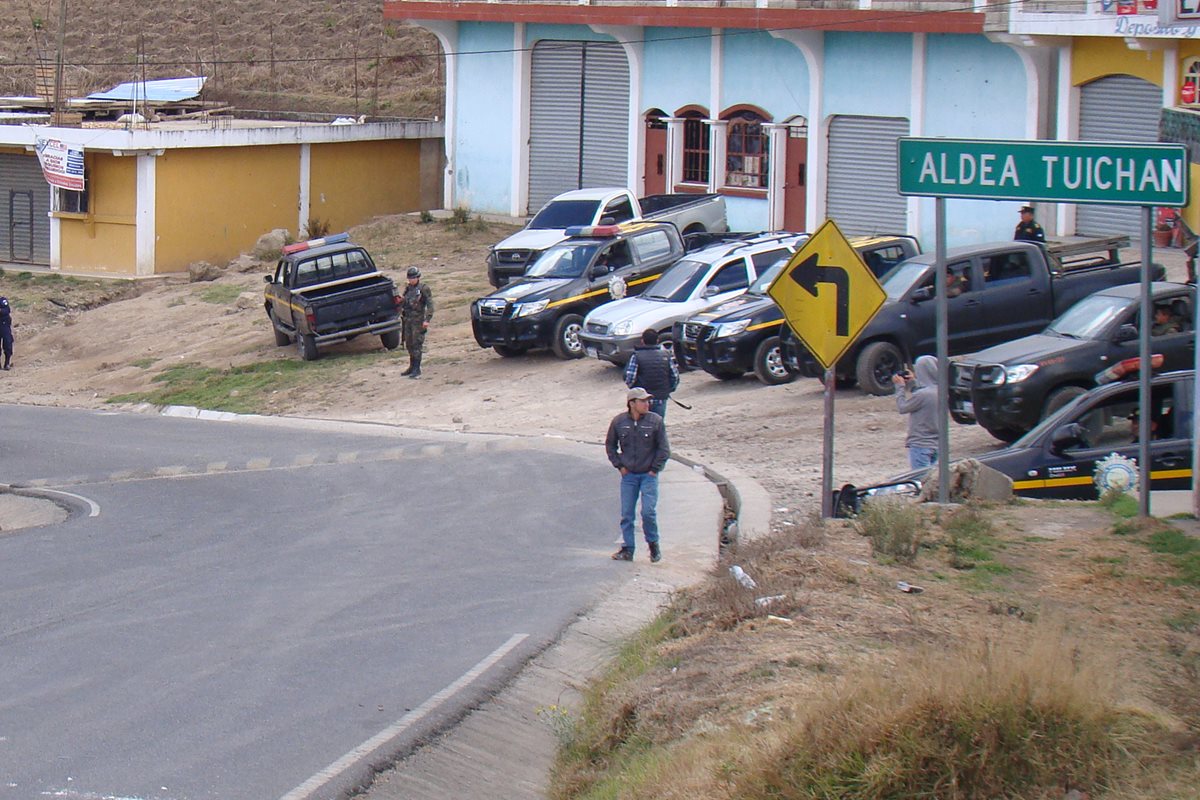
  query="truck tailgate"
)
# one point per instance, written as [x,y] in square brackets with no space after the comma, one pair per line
[348,306]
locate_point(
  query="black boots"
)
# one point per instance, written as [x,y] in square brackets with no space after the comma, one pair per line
[414,371]
[624,554]
[655,553]
[411,362]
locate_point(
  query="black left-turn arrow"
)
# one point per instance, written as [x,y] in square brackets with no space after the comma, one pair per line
[808,273]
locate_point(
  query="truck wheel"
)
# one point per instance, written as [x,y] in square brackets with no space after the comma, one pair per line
[308,347]
[1006,435]
[695,227]
[281,338]
[877,363]
[565,343]
[391,340]
[508,352]
[1060,397]
[768,363]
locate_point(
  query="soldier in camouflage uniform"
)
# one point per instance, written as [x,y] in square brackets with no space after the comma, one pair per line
[415,311]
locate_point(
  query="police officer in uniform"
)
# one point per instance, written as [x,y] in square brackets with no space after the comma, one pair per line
[1027,229]
[415,312]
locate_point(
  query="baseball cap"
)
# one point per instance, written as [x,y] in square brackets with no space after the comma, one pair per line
[637,393]
[1026,209]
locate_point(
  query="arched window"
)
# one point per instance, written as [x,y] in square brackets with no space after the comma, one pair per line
[695,146]
[746,154]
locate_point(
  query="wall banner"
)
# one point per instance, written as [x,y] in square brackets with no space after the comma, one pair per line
[62,163]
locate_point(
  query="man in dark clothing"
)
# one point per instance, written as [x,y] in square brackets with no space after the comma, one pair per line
[655,370]
[637,446]
[416,310]
[1027,229]
[6,337]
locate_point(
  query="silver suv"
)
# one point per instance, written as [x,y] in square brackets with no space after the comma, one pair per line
[700,280]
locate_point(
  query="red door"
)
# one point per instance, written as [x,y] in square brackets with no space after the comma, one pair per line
[795,180]
[656,156]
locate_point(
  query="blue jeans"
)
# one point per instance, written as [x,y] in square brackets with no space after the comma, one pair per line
[919,457]
[633,484]
[659,407]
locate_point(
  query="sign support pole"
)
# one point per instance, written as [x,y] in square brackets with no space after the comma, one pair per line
[1144,369]
[943,351]
[827,446]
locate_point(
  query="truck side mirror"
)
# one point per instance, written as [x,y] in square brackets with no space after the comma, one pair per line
[710,290]
[607,221]
[1126,333]
[1070,435]
[922,294]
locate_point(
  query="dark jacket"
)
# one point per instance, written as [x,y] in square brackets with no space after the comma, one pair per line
[1029,232]
[639,446]
[654,369]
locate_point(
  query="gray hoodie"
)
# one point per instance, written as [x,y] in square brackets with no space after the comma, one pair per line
[920,403]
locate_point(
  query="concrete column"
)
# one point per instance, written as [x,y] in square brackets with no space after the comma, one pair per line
[777,172]
[916,117]
[674,165]
[518,201]
[716,153]
[1066,129]
[304,206]
[811,45]
[146,231]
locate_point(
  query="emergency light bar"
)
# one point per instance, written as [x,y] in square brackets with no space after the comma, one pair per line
[594,231]
[311,243]
[1127,367]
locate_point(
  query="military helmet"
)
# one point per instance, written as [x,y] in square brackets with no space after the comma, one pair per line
[413,272]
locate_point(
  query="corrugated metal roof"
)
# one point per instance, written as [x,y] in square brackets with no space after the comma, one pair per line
[168,90]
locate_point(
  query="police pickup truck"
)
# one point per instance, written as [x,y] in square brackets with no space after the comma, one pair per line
[998,292]
[690,213]
[1087,446]
[1009,388]
[593,265]
[742,335]
[328,290]
[702,279]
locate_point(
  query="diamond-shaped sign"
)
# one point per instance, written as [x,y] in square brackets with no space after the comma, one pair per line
[827,294]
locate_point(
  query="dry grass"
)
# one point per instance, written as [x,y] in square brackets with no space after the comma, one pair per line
[336,56]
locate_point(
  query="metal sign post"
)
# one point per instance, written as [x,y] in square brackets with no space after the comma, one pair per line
[943,350]
[827,447]
[1144,371]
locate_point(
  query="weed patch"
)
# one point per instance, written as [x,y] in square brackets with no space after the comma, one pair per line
[221,294]
[894,528]
[1182,550]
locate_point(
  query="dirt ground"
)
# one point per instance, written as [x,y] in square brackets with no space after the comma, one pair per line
[83,356]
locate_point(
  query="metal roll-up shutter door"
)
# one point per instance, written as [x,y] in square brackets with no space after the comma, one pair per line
[556,95]
[24,211]
[1119,108]
[605,116]
[861,194]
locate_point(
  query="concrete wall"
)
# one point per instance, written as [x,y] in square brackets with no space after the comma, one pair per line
[665,85]
[354,181]
[212,204]
[1097,57]
[103,240]
[483,136]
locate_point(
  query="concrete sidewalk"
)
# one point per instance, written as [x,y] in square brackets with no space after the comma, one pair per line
[503,750]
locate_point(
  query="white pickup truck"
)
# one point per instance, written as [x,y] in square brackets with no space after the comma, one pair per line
[690,213]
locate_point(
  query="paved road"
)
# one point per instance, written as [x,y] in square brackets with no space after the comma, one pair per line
[255,604]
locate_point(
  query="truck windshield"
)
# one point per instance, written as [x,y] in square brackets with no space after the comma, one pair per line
[897,282]
[1089,318]
[563,261]
[678,282]
[564,214]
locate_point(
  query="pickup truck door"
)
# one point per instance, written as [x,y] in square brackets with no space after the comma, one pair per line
[617,211]
[1017,298]
[730,279]
[279,294]
[1177,347]
[965,306]
[1110,443]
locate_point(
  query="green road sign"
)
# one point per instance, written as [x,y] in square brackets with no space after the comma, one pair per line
[1112,173]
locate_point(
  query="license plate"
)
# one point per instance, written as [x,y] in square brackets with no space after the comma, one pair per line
[591,351]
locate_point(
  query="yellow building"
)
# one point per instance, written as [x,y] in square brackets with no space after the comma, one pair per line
[167,195]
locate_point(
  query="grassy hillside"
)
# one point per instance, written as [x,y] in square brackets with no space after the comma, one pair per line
[299,55]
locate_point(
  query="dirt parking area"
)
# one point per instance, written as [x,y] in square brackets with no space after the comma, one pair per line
[83,343]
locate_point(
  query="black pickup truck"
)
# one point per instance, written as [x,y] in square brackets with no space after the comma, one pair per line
[594,264]
[328,290]
[741,335]
[1009,388]
[1000,292]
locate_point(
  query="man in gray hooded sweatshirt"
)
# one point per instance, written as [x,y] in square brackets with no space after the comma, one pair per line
[917,396]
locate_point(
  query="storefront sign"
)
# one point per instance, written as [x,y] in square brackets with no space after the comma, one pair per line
[1179,12]
[62,163]
[1071,172]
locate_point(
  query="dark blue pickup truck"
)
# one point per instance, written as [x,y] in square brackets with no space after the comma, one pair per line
[999,292]
[328,290]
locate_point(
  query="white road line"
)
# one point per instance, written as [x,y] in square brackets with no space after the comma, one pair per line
[92,504]
[323,777]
